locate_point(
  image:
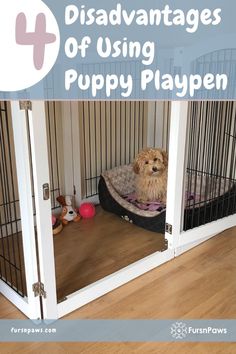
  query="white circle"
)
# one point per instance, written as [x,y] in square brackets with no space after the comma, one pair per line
[17,69]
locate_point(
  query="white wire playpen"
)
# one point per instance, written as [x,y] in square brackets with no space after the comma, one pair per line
[63,147]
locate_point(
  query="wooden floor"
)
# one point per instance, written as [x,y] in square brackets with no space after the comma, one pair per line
[199,284]
[92,249]
[85,252]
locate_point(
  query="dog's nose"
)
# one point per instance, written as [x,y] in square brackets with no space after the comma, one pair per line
[155,169]
[71,212]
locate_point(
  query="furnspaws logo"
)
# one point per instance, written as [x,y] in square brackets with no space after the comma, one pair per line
[30,42]
[179,330]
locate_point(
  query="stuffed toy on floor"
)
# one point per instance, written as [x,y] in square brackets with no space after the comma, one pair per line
[68,213]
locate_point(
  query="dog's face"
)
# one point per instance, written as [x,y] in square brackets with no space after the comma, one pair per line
[151,162]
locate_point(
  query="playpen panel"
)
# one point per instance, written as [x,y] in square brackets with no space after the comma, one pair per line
[11,250]
[55,142]
[45,249]
[18,264]
[88,137]
[211,163]
[9,199]
[18,245]
[176,172]
[111,134]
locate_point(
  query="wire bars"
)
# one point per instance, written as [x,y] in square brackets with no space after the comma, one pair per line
[210,192]
[111,135]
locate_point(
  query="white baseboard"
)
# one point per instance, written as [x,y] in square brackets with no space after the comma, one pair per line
[181,249]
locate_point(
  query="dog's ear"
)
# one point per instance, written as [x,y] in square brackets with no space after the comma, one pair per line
[136,167]
[165,157]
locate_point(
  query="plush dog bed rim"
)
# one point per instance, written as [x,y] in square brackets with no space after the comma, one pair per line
[127,205]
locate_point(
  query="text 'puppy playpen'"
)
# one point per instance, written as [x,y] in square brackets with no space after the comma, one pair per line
[70,148]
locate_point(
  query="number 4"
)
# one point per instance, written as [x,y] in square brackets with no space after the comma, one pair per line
[38,39]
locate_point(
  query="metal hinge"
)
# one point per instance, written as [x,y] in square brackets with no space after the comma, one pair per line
[38,289]
[25,105]
[169,228]
[165,246]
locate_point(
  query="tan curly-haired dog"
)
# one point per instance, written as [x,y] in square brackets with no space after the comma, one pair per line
[151,167]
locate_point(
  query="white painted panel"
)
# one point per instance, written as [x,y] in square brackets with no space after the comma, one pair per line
[176,170]
[39,150]
[19,121]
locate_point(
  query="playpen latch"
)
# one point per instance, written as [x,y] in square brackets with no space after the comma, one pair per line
[169,228]
[25,105]
[38,289]
[46,191]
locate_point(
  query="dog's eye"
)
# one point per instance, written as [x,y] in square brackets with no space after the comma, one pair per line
[155,159]
[146,162]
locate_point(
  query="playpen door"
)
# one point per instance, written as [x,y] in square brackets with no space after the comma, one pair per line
[40,166]
[29,131]
[202,172]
